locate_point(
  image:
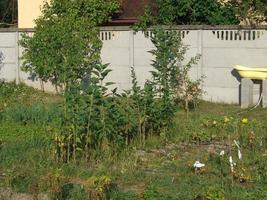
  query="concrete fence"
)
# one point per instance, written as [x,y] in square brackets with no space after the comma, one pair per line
[221,47]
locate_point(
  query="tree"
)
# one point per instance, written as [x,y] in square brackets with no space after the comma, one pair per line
[250,11]
[209,12]
[65,50]
[65,45]
[171,71]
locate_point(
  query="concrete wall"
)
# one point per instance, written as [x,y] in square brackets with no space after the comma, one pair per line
[221,48]
[10,50]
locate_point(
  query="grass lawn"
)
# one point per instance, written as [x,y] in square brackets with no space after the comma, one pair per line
[162,169]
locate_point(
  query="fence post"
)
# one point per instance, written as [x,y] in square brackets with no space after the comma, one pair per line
[17,58]
[264,93]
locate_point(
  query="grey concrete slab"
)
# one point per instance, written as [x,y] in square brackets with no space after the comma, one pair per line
[246,92]
[264,93]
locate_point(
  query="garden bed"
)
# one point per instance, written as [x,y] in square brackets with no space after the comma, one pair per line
[160,169]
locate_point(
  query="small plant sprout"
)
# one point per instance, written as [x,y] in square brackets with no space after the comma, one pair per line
[238,150]
[197,165]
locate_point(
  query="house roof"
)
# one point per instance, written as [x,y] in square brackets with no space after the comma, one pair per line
[130,11]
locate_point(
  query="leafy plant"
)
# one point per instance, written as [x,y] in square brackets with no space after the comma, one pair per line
[58,51]
[176,12]
[162,75]
[250,12]
[172,75]
[65,50]
[145,20]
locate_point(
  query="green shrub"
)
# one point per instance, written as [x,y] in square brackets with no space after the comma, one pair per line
[171,71]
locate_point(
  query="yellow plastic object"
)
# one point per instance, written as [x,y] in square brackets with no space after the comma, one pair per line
[251,73]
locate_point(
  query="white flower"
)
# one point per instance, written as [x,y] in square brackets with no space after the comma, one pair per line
[238,150]
[198,165]
[232,164]
[239,154]
[230,159]
[222,153]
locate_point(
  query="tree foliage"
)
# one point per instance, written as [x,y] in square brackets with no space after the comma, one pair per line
[65,50]
[250,11]
[209,12]
[65,43]
[171,73]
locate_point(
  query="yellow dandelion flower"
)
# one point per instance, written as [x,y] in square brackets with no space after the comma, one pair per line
[226,119]
[244,120]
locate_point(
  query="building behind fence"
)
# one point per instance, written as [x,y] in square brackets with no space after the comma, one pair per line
[220,48]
